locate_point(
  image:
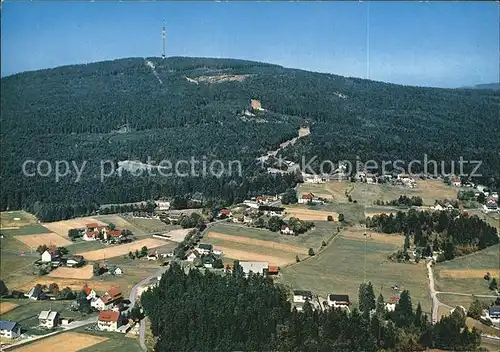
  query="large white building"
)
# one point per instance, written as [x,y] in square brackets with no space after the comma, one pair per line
[254,267]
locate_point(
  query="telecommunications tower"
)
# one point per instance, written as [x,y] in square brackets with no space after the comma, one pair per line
[164,38]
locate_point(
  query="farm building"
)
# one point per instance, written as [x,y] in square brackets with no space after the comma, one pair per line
[107,300]
[193,255]
[9,329]
[75,261]
[91,294]
[35,293]
[286,230]
[272,211]
[48,257]
[108,321]
[306,198]
[48,319]
[273,270]
[301,296]
[254,267]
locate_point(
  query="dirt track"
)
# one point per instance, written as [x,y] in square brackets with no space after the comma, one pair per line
[260,243]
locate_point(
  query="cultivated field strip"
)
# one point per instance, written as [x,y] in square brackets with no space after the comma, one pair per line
[260,243]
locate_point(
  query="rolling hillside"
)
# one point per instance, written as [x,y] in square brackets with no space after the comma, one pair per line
[130,109]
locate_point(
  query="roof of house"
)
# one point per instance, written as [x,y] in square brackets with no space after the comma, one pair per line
[206,246]
[224,211]
[302,293]
[7,325]
[114,291]
[270,208]
[47,315]
[338,298]
[255,267]
[108,315]
[35,291]
[114,233]
[308,196]
[87,289]
[92,225]
[494,310]
[195,252]
[273,269]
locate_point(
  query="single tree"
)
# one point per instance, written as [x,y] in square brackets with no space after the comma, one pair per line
[96,269]
[329,218]
[341,217]
[475,309]
[297,259]
[493,284]
[144,251]
[311,252]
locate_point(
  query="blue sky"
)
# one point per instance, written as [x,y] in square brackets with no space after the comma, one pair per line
[420,43]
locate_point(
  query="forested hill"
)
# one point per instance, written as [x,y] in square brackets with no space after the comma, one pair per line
[182,107]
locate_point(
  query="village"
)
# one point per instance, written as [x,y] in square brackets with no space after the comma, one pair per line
[268,235]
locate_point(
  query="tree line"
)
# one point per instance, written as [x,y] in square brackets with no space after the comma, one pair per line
[203,311]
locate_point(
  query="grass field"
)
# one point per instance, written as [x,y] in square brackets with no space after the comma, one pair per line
[150,225]
[113,342]
[305,213]
[120,223]
[32,229]
[465,274]
[119,250]
[247,243]
[69,341]
[366,194]
[33,241]
[340,268]
[15,268]
[85,246]
[16,219]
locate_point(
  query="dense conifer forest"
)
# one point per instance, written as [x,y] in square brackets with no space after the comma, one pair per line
[203,311]
[449,231]
[120,110]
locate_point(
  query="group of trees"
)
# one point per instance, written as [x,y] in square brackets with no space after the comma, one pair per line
[192,238]
[138,254]
[289,197]
[454,233]
[188,314]
[403,200]
[275,223]
[52,249]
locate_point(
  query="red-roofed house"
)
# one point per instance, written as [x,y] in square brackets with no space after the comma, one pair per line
[108,320]
[111,233]
[273,270]
[306,198]
[89,291]
[107,300]
[224,212]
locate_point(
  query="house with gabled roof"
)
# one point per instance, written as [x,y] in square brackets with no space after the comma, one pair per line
[205,248]
[36,293]
[48,319]
[305,198]
[194,254]
[338,301]
[10,329]
[106,302]
[108,320]
[301,296]
[91,294]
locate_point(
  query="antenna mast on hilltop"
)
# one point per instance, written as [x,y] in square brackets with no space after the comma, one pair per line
[164,38]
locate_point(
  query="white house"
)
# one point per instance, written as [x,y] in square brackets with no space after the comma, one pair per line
[438,207]
[108,321]
[10,329]
[118,271]
[390,307]
[254,267]
[272,211]
[193,255]
[286,230]
[251,204]
[162,205]
[47,257]
[35,293]
[91,294]
[301,296]
[305,198]
[74,261]
[48,319]
[338,301]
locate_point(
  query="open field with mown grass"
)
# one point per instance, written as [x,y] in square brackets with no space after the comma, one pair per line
[26,312]
[32,229]
[465,274]
[247,243]
[150,225]
[120,223]
[15,269]
[113,342]
[14,219]
[464,301]
[367,194]
[340,268]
